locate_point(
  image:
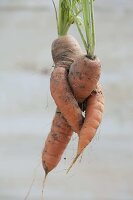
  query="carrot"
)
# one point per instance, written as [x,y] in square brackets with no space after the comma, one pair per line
[93,118]
[83,76]
[65,51]
[56,142]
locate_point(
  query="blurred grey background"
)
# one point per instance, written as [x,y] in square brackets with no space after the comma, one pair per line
[105,172]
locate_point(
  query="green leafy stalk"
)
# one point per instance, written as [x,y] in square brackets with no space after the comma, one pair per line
[88,24]
[80,31]
[93,28]
[88,18]
[62,19]
[65,18]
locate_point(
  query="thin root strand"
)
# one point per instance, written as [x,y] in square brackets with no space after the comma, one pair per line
[73,162]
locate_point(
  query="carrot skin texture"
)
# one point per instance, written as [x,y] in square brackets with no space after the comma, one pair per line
[93,118]
[64,99]
[64,56]
[83,76]
[56,142]
[65,50]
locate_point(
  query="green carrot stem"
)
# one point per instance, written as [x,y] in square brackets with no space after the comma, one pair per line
[93,28]
[88,22]
[65,17]
[86,19]
[80,32]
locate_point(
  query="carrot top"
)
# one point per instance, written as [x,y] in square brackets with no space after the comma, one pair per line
[80,12]
[86,22]
[65,17]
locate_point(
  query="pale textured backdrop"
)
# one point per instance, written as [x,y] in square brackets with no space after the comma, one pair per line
[27,29]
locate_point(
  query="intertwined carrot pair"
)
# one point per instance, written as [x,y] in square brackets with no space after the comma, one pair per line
[73,83]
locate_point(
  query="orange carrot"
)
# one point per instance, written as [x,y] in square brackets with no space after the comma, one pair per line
[93,117]
[71,91]
[56,142]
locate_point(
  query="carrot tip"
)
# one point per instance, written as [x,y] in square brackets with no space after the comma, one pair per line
[46,170]
[73,162]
